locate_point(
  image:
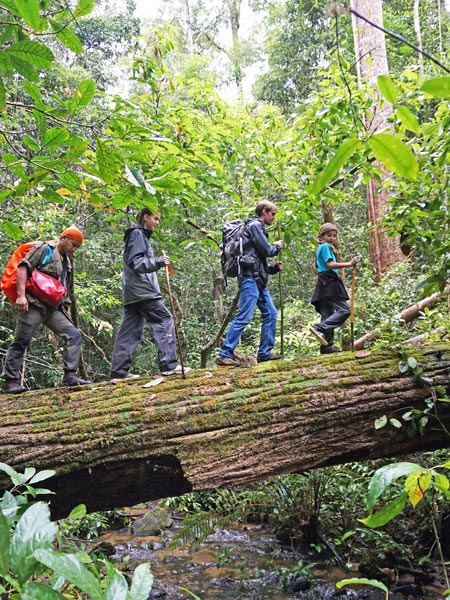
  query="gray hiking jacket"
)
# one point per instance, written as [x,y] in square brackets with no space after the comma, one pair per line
[139,280]
[257,249]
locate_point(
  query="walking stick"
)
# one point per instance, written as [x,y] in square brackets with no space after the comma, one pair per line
[281,300]
[352,308]
[169,291]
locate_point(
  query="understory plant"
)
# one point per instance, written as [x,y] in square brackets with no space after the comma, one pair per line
[32,563]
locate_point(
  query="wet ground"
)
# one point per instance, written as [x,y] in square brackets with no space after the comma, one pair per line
[234,564]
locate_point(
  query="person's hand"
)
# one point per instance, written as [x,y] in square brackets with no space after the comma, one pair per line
[280,265]
[21,304]
[354,260]
[166,259]
[279,243]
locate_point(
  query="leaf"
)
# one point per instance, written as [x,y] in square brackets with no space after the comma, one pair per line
[77,513]
[412,362]
[142,582]
[29,11]
[108,162]
[55,137]
[4,545]
[83,8]
[82,97]
[439,87]
[387,513]
[67,37]
[362,581]
[117,588]
[408,119]
[381,422]
[394,155]
[34,590]
[416,485]
[34,531]
[42,476]
[70,567]
[387,88]
[384,477]
[343,153]
[33,53]
[153,382]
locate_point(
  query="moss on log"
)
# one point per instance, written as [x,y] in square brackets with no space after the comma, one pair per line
[116,445]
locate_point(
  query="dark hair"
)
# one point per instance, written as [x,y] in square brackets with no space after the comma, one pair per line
[141,214]
[264,205]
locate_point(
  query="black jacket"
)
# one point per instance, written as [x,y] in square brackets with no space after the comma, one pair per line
[329,285]
[257,249]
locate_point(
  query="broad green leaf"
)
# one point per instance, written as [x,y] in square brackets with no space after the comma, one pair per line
[439,87]
[2,95]
[42,476]
[387,88]
[12,473]
[142,582]
[84,94]
[394,155]
[381,422]
[4,545]
[13,231]
[33,53]
[34,590]
[408,119]
[362,581]
[51,196]
[83,8]
[70,567]
[117,588]
[384,477]
[77,512]
[387,513]
[67,37]
[55,137]
[108,162]
[31,143]
[25,69]
[29,11]
[34,530]
[342,155]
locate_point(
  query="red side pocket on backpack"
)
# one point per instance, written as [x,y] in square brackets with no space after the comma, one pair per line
[46,288]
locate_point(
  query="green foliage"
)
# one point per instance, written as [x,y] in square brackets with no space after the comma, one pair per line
[32,568]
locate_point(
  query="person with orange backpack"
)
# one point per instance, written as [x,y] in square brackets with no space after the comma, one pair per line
[52,259]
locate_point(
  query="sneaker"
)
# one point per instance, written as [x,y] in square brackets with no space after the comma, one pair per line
[227,361]
[260,358]
[127,377]
[319,335]
[13,386]
[329,350]
[71,379]
[177,371]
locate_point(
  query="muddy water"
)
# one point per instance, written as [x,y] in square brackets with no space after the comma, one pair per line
[241,564]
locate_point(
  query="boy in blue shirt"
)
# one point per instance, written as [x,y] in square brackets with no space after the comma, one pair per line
[330,297]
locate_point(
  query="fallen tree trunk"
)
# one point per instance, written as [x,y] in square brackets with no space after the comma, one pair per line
[117,445]
[405,316]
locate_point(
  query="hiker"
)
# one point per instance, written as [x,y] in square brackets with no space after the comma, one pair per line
[33,312]
[330,297]
[142,301]
[253,288]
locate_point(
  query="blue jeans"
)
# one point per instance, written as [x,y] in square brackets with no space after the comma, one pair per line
[250,297]
[334,312]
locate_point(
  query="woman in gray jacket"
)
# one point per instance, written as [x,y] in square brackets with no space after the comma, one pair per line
[142,301]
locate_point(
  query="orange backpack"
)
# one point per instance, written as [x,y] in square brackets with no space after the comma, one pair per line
[9,276]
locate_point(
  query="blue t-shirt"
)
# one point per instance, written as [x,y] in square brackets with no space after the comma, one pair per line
[323,255]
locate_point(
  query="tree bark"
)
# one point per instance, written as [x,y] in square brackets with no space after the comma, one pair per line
[371,61]
[117,445]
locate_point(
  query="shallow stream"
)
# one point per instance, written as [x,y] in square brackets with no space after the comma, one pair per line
[233,564]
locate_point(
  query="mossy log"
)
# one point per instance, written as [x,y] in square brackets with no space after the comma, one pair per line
[117,445]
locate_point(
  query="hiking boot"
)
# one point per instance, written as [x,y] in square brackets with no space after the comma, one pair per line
[319,335]
[71,379]
[261,358]
[329,350]
[178,370]
[127,377]
[227,361]
[13,386]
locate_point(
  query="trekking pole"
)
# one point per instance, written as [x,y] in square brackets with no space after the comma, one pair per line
[352,308]
[281,300]
[169,291]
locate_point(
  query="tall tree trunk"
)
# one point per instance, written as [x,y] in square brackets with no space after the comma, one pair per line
[114,446]
[371,60]
[418,33]
[234,7]
[189,35]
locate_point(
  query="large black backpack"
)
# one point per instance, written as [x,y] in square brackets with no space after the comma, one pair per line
[232,247]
